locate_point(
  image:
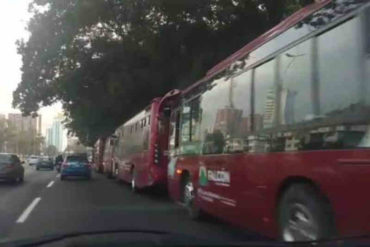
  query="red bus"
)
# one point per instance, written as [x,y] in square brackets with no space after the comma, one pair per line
[109,168]
[141,148]
[276,138]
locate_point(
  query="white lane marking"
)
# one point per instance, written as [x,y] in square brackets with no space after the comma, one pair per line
[58,175]
[28,210]
[50,184]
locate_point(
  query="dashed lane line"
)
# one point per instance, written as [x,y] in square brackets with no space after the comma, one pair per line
[28,210]
[50,184]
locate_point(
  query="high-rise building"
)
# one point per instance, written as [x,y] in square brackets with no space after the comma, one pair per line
[39,127]
[270,108]
[49,137]
[55,134]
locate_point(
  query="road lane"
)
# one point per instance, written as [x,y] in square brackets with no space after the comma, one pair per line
[102,204]
[14,198]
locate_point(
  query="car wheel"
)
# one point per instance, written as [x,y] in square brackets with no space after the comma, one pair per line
[37,168]
[62,178]
[21,178]
[188,193]
[305,215]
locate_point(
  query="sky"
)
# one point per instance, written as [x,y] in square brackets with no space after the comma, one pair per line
[13,21]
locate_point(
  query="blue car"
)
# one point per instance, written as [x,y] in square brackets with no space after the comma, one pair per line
[75,166]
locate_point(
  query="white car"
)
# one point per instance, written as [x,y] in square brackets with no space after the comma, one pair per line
[33,160]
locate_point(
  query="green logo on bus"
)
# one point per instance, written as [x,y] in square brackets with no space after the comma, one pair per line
[203,180]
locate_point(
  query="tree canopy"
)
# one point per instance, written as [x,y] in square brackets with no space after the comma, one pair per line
[106,59]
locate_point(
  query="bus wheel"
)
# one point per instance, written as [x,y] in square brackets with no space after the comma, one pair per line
[304,215]
[189,199]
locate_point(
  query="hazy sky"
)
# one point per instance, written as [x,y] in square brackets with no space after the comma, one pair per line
[13,20]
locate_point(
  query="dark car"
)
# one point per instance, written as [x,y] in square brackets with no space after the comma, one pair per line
[45,163]
[75,166]
[11,168]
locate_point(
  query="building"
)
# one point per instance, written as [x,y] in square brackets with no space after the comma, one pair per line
[270,108]
[21,123]
[49,137]
[28,134]
[55,135]
[227,120]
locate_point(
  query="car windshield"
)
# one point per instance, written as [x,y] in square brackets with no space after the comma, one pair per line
[76,159]
[232,121]
[4,158]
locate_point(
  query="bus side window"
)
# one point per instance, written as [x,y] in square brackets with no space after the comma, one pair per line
[177,129]
[174,131]
[190,127]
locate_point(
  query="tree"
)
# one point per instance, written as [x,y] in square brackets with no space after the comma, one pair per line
[51,150]
[105,60]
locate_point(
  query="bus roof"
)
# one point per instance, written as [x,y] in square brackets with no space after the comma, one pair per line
[262,39]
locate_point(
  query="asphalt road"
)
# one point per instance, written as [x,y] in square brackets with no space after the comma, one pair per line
[44,205]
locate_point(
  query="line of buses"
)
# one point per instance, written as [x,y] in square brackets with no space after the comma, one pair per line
[275,138]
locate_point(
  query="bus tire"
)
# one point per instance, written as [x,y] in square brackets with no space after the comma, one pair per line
[304,215]
[188,194]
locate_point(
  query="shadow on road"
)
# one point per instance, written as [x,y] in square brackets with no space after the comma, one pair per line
[7,183]
[155,194]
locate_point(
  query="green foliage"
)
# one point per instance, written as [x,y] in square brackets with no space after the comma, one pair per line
[105,60]
[51,150]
